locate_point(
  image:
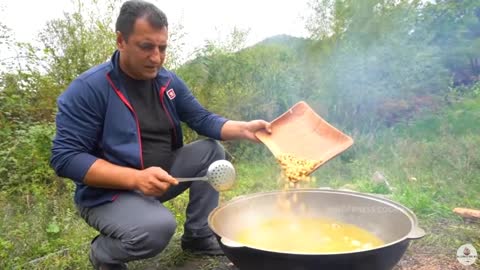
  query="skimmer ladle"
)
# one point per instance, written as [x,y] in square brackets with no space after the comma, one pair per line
[220,174]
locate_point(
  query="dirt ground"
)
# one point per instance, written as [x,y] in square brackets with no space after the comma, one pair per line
[418,261]
[431,262]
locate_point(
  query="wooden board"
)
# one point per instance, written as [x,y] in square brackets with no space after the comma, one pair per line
[301,132]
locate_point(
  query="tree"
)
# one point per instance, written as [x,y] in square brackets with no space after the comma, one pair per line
[455,26]
[6,49]
[376,52]
[68,46]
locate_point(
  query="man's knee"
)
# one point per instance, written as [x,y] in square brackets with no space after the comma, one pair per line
[152,236]
[216,148]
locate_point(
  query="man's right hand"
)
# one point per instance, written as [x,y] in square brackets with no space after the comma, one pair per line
[153,181]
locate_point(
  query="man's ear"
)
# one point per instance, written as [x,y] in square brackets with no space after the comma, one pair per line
[120,41]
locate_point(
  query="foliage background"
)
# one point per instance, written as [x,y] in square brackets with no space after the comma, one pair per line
[401,77]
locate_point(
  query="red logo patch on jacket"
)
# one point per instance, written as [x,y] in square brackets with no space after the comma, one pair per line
[171,93]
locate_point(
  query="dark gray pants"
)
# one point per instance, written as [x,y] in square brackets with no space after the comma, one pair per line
[135,226]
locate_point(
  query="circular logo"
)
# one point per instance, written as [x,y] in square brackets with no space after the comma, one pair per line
[467,254]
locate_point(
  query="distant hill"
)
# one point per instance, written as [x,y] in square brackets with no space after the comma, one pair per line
[296,43]
[284,40]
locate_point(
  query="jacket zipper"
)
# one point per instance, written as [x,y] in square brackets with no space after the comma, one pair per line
[162,94]
[124,100]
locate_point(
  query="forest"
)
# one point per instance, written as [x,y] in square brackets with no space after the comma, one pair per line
[401,77]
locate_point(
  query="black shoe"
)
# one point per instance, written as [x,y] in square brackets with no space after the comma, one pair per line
[103,266]
[202,246]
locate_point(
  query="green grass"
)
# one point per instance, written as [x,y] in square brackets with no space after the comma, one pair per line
[432,166]
[47,225]
[49,228]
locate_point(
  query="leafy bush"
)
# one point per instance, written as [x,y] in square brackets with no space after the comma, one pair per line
[24,159]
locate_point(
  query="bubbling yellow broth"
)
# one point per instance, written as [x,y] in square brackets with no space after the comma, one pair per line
[307,235]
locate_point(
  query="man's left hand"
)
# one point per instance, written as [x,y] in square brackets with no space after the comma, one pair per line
[254,126]
[244,130]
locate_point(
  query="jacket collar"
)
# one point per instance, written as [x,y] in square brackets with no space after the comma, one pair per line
[115,75]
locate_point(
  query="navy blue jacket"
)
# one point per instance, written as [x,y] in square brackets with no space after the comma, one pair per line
[95,120]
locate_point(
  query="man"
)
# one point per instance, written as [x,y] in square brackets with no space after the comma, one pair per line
[119,139]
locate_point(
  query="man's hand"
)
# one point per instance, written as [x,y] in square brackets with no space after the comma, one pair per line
[232,130]
[254,126]
[153,181]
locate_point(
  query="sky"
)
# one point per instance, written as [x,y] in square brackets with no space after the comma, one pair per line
[202,20]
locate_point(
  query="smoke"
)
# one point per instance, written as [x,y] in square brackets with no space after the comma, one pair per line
[372,60]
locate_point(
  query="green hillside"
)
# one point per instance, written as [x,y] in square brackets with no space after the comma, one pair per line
[402,78]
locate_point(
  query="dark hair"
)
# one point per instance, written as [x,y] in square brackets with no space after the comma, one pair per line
[135,9]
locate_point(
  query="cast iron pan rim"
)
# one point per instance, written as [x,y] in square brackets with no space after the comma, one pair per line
[407,212]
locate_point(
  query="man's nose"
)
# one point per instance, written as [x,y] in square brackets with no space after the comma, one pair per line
[156,56]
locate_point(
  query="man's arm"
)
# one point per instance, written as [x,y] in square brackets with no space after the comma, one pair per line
[237,130]
[78,124]
[152,181]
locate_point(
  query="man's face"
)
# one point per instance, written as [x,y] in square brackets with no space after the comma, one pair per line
[144,53]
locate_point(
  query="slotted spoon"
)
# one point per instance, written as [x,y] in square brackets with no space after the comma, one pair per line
[220,174]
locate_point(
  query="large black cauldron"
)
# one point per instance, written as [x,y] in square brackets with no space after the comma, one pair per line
[395,224]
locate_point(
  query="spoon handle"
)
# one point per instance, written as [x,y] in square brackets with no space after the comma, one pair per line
[203,178]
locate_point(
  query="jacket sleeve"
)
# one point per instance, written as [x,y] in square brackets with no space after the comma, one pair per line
[79,123]
[194,114]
